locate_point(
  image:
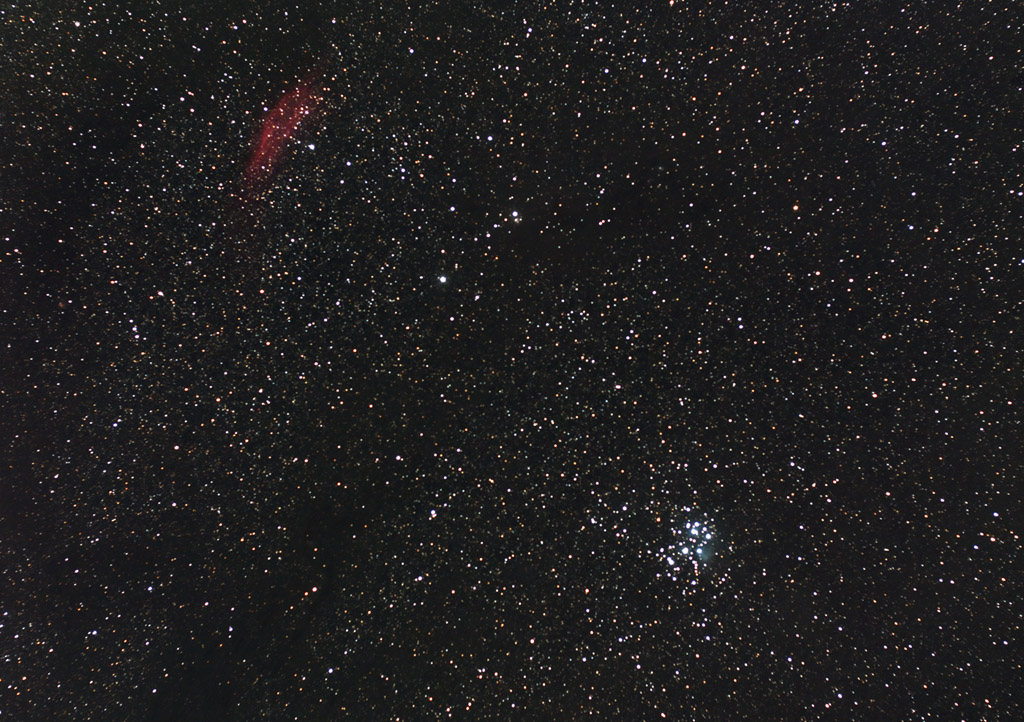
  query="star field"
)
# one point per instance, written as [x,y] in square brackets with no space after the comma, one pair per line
[524,361]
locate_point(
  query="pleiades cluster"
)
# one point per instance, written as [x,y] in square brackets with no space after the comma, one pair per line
[517,361]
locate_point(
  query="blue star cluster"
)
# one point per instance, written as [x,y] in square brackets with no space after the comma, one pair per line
[687,548]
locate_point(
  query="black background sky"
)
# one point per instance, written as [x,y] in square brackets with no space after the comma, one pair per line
[431,421]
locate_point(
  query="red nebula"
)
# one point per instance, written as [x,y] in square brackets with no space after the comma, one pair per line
[279,126]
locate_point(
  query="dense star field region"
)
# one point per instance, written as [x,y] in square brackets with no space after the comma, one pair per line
[511,361]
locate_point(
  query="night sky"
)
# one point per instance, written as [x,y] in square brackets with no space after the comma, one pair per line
[511,361]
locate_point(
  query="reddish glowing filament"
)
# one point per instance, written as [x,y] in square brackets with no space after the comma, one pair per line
[280,126]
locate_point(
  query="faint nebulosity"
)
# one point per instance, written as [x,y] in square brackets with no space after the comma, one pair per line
[511,361]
